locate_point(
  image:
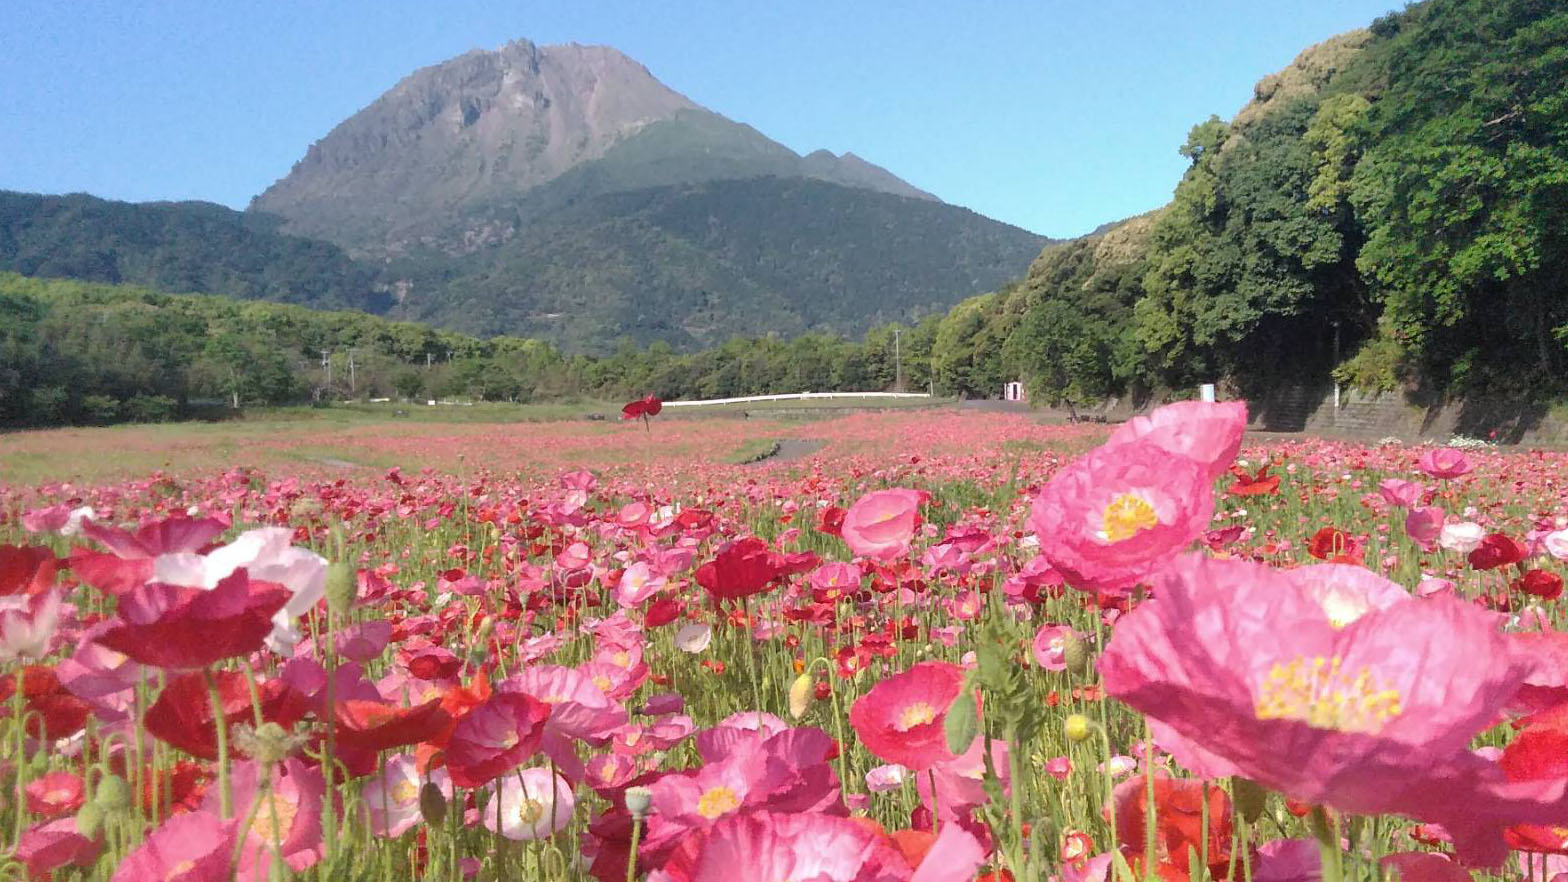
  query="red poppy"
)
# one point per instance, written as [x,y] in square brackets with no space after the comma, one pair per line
[495,738]
[51,711]
[26,569]
[170,627]
[183,715]
[1334,545]
[1260,484]
[642,408]
[740,569]
[373,725]
[662,612]
[56,794]
[1178,824]
[1497,550]
[1539,753]
[831,521]
[1542,584]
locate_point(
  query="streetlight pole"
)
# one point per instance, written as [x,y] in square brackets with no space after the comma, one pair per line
[898,362]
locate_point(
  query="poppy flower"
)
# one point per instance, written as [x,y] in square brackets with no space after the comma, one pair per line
[56,793]
[830,520]
[1542,583]
[190,847]
[27,625]
[741,568]
[285,815]
[1444,462]
[51,711]
[881,524]
[391,797]
[54,845]
[129,562]
[1205,431]
[1372,717]
[773,845]
[532,804]
[642,408]
[1178,824]
[495,738]
[26,569]
[183,715]
[900,720]
[170,627]
[1497,550]
[1260,483]
[1334,544]
[1111,519]
[373,726]
[267,555]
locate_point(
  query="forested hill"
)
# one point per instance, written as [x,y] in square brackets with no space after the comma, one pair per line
[178,246]
[1401,189]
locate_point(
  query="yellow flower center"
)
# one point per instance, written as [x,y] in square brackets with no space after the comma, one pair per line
[404,791]
[603,683]
[716,802]
[1320,693]
[274,814]
[530,811]
[917,714]
[1128,515]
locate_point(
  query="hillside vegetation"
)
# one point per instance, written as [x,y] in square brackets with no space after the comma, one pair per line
[1397,198]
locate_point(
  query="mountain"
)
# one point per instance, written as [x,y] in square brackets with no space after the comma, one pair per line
[694,265]
[563,191]
[452,141]
[178,246]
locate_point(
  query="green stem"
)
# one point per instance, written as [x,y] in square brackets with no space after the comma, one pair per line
[225,791]
[631,857]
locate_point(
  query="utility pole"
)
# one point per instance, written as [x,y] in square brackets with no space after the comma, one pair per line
[352,388]
[326,362]
[898,363]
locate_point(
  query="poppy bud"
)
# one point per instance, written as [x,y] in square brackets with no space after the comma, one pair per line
[485,629]
[800,693]
[1075,653]
[89,819]
[113,794]
[962,724]
[638,801]
[1077,728]
[432,804]
[341,588]
[1249,798]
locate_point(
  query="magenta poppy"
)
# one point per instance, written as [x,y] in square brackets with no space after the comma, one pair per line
[169,627]
[495,737]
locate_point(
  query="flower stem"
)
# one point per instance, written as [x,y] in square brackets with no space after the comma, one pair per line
[225,791]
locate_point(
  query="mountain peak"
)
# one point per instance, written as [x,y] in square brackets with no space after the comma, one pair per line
[481,133]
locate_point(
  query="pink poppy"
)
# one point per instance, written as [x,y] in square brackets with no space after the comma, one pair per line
[495,738]
[1424,526]
[767,845]
[1116,516]
[285,818]
[1373,717]
[881,524]
[54,845]
[193,847]
[1405,494]
[1345,592]
[129,562]
[1207,432]
[530,804]
[1444,462]
[638,583]
[900,720]
[1049,646]
[391,798]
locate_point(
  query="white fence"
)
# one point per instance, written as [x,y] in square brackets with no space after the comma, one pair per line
[796,396]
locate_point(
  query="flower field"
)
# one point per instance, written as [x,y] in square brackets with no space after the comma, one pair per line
[944,646]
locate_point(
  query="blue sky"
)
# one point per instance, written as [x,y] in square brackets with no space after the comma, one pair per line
[1051,115]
